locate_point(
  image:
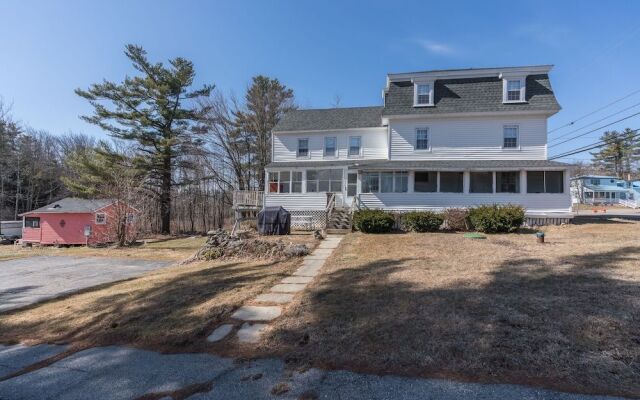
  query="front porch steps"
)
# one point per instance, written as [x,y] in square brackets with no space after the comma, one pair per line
[339,221]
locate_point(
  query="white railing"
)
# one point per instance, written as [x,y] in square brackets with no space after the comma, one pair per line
[331,203]
[630,203]
[247,198]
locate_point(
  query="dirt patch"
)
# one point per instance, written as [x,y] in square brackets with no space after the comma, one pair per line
[563,315]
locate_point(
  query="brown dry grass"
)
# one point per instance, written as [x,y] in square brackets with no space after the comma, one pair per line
[563,315]
[172,249]
[172,309]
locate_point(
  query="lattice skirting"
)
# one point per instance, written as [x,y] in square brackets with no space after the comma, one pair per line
[542,221]
[308,220]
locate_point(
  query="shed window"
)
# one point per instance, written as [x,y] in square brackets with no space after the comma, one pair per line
[510,136]
[330,146]
[303,148]
[355,146]
[32,222]
[545,181]
[451,182]
[425,181]
[508,182]
[422,139]
[101,218]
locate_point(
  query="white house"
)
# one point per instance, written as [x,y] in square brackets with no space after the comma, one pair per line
[441,139]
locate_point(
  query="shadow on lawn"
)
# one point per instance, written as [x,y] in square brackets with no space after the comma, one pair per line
[173,314]
[569,326]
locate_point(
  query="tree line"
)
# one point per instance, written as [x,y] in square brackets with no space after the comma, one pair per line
[176,152]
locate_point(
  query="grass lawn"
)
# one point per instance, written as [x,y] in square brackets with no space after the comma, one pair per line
[171,309]
[172,249]
[563,315]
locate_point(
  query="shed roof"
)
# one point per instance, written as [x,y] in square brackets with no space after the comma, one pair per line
[72,205]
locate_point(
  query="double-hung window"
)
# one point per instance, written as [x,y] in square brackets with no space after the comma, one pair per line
[355,146]
[330,146]
[423,94]
[510,136]
[422,139]
[514,90]
[303,148]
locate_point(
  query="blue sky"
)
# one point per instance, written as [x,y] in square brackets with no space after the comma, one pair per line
[320,49]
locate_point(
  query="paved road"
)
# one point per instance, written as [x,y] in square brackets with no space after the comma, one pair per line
[114,373]
[29,280]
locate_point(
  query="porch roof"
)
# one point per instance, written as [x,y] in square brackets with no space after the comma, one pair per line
[454,165]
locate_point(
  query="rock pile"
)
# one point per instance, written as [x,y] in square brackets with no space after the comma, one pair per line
[222,244]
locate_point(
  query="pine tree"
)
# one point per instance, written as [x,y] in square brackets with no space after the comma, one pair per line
[151,110]
[620,153]
[267,100]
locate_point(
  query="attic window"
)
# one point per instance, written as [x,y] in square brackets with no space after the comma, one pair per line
[101,218]
[513,90]
[422,94]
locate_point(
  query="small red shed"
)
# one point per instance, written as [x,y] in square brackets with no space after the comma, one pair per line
[73,221]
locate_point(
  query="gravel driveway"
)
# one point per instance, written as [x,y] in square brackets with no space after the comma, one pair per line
[29,280]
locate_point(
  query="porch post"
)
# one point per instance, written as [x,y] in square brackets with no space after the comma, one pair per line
[493,182]
[304,181]
[438,181]
[523,181]
[411,180]
[466,178]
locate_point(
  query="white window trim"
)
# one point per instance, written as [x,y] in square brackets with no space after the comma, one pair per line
[324,147]
[308,148]
[415,93]
[415,142]
[104,220]
[523,87]
[349,155]
[517,148]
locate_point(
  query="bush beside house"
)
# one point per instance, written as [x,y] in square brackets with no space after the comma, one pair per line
[422,221]
[496,218]
[373,221]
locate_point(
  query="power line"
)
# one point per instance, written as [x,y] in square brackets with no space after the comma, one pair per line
[591,146]
[594,112]
[594,122]
[593,130]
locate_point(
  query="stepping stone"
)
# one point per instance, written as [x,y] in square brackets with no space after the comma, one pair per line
[220,333]
[288,287]
[307,271]
[321,257]
[331,246]
[319,252]
[250,333]
[275,298]
[313,263]
[297,279]
[257,313]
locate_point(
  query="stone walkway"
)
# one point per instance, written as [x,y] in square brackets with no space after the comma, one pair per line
[256,316]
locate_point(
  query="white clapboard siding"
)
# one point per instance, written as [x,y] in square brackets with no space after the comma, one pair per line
[478,138]
[532,202]
[296,201]
[374,144]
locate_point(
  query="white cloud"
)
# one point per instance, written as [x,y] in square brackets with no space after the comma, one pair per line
[435,47]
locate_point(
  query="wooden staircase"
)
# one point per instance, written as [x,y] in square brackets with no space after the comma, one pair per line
[339,221]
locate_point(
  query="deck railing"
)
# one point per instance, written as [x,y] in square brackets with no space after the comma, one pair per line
[248,198]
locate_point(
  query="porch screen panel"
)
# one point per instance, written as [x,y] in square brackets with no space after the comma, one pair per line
[386,182]
[296,182]
[401,182]
[554,181]
[352,184]
[285,182]
[508,182]
[370,182]
[481,182]
[425,181]
[336,180]
[451,182]
[535,181]
[324,180]
[273,182]
[312,181]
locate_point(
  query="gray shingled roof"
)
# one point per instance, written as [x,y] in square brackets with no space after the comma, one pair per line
[471,95]
[423,164]
[330,118]
[73,205]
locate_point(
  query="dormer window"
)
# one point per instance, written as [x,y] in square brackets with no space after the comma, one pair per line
[422,94]
[513,90]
